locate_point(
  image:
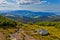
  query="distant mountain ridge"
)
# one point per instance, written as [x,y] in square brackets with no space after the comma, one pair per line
[26,15]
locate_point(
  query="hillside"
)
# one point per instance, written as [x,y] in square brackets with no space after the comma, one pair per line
[16,30]
[7,22]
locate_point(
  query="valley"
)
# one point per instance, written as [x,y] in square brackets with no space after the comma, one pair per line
[29,16]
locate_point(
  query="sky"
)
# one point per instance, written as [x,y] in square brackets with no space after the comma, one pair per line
[32,5]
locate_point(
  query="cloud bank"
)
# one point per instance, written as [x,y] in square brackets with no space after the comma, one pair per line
[36,5]
[21,2]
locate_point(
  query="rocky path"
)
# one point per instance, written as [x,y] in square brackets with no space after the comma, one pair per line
[21,35]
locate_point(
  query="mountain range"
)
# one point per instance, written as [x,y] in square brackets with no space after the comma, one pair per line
[30,16]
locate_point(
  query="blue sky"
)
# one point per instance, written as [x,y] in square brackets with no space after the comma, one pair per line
[33,5]
[54,1]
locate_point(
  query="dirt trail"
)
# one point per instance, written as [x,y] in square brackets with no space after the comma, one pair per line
[28,37]
[2,36]
[21,35]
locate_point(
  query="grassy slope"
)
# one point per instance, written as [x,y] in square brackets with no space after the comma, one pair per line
[5,25]
[30,29]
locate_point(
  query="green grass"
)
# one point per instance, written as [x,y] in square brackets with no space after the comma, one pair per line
[54,32]
[30,29]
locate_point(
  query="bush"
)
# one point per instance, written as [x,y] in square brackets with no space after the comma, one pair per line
[7,22]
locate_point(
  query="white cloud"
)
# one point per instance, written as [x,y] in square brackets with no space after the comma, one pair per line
[5,5]
[25,1]
[2,1]
[30,1]
[19,2]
